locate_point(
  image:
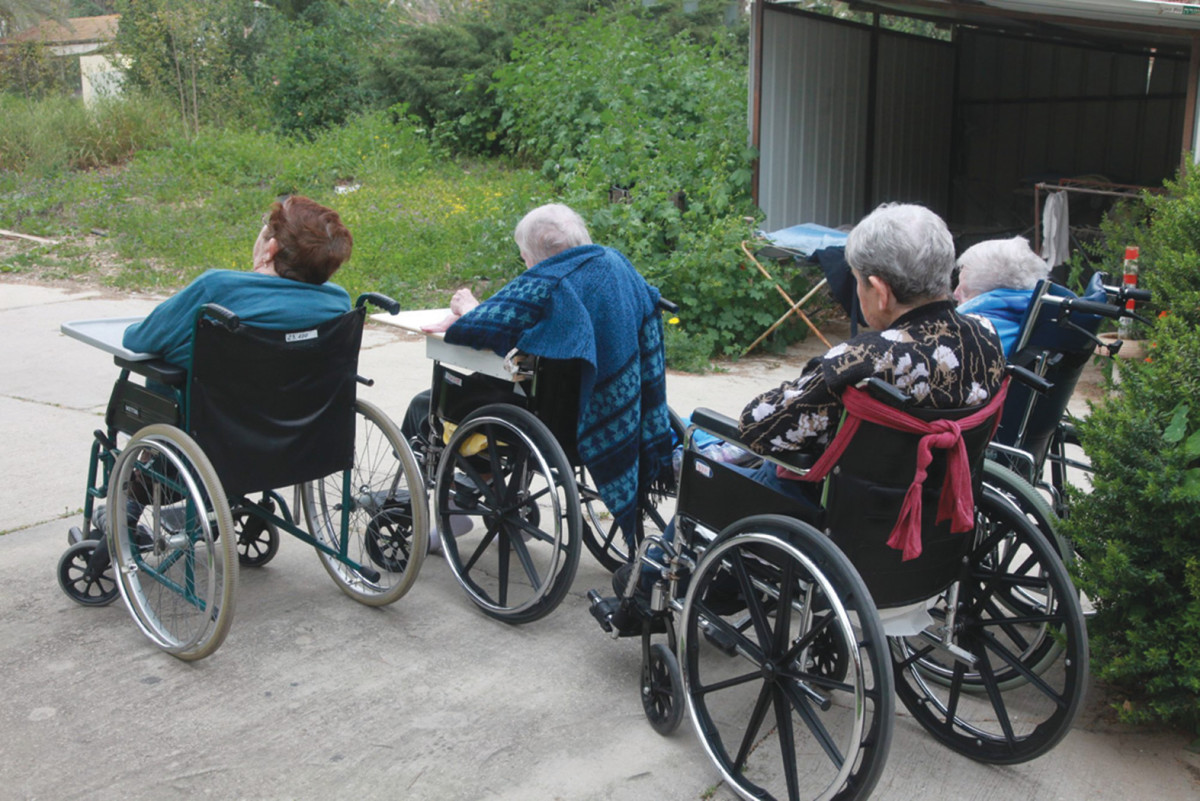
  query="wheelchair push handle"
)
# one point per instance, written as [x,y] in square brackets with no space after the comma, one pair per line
[378,299]
[669,306]
[221,315]
[1029,378]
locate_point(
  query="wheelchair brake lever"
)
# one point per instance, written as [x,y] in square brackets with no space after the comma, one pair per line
[366,382]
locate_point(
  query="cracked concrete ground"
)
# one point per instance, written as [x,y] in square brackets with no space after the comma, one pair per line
[315,696]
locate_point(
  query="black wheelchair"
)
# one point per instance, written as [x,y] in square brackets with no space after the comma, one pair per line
[258,410]
[502,454]
[790,631]
[1036,438]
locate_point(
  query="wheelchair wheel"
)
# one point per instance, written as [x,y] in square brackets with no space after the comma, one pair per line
[662,689]
[1030,655]
[1030,501]
[257,540]
[176,573]
[86,577]
[380,505]
[601,534]
[518,490]
[785,666]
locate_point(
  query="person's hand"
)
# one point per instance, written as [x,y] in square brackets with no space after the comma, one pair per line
[441,325]
[462,302]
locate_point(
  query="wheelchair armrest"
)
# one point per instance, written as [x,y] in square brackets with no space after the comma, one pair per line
[158,370]
[717,424]
[726,428]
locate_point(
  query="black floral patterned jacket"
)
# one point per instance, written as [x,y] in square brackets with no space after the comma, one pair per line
[943,359]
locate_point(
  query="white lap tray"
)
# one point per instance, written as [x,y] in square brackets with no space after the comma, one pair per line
[106,335]
[436,348]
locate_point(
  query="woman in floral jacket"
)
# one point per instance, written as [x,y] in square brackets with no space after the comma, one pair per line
[902,257]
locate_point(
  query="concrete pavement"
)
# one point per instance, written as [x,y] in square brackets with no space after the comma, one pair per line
[315,696]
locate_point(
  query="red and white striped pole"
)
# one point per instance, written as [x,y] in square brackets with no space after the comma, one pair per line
[1124,327]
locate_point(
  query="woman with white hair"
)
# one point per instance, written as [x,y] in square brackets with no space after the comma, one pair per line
[995,281]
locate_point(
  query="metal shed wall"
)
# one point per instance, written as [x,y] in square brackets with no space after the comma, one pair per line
[813,126]
[1030,111]
[850,116]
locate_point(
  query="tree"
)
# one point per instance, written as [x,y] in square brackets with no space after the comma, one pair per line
[17,15]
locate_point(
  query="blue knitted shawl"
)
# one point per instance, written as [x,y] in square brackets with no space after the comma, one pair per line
[589,303]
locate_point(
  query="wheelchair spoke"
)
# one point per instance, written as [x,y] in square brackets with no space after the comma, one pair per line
[803,707]
[750,596]
[1013,661]
[787,739]
[517,545]
[482,547]
[750,737]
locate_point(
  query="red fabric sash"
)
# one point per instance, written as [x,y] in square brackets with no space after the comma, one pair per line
[957,501]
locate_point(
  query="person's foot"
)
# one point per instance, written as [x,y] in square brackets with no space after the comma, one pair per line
[459,525]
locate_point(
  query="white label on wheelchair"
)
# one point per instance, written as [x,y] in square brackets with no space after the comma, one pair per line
[453,379]
[300,336]
[703,469]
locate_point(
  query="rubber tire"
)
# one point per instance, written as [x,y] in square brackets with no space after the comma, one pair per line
[522,451]
[146,573]
[385,478]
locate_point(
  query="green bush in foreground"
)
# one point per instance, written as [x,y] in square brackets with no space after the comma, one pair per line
[1136,530]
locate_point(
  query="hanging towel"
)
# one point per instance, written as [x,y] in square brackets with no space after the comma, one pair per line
[1056,230]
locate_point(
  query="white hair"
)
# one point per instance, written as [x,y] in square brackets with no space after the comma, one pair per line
[549,230]
[908,247]
[999,264]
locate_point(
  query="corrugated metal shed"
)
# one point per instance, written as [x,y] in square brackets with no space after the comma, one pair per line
[850,115]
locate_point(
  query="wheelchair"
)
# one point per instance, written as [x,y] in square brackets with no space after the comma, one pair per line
[193,491]
[502,453]
[1036,434]
[790,631]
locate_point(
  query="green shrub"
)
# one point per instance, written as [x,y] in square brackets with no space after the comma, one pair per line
[1136,529]
[646,137]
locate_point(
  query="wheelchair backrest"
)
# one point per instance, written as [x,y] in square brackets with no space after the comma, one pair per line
[274,408]
[864,494]
[1056,352]
[551,393]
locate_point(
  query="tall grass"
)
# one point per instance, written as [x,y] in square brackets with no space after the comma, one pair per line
[59,133]
[422,224]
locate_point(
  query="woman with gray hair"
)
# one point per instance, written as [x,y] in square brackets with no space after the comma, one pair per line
[995,281]
[902,257]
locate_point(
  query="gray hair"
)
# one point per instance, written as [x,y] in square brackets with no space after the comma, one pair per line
[908,247]
[549,230]
[1000,264]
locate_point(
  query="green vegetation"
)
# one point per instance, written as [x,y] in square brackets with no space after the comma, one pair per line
[1136,529]
[431,127]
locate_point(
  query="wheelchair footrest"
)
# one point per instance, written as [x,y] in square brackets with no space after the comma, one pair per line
[625,618]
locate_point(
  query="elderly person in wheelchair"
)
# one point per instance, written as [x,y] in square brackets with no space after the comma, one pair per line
[593,325]
[996,279]
[793,618]
[249,387]
[901,257]
[299,247]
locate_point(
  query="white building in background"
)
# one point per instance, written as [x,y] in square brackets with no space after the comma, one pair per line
[100,75]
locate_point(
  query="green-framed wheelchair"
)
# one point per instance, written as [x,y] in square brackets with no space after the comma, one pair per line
[790,629]
[192,462]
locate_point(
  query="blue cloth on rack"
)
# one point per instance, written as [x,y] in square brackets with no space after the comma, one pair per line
[589,303]
[806,238]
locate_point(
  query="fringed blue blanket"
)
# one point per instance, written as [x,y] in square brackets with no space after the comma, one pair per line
[589,303]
